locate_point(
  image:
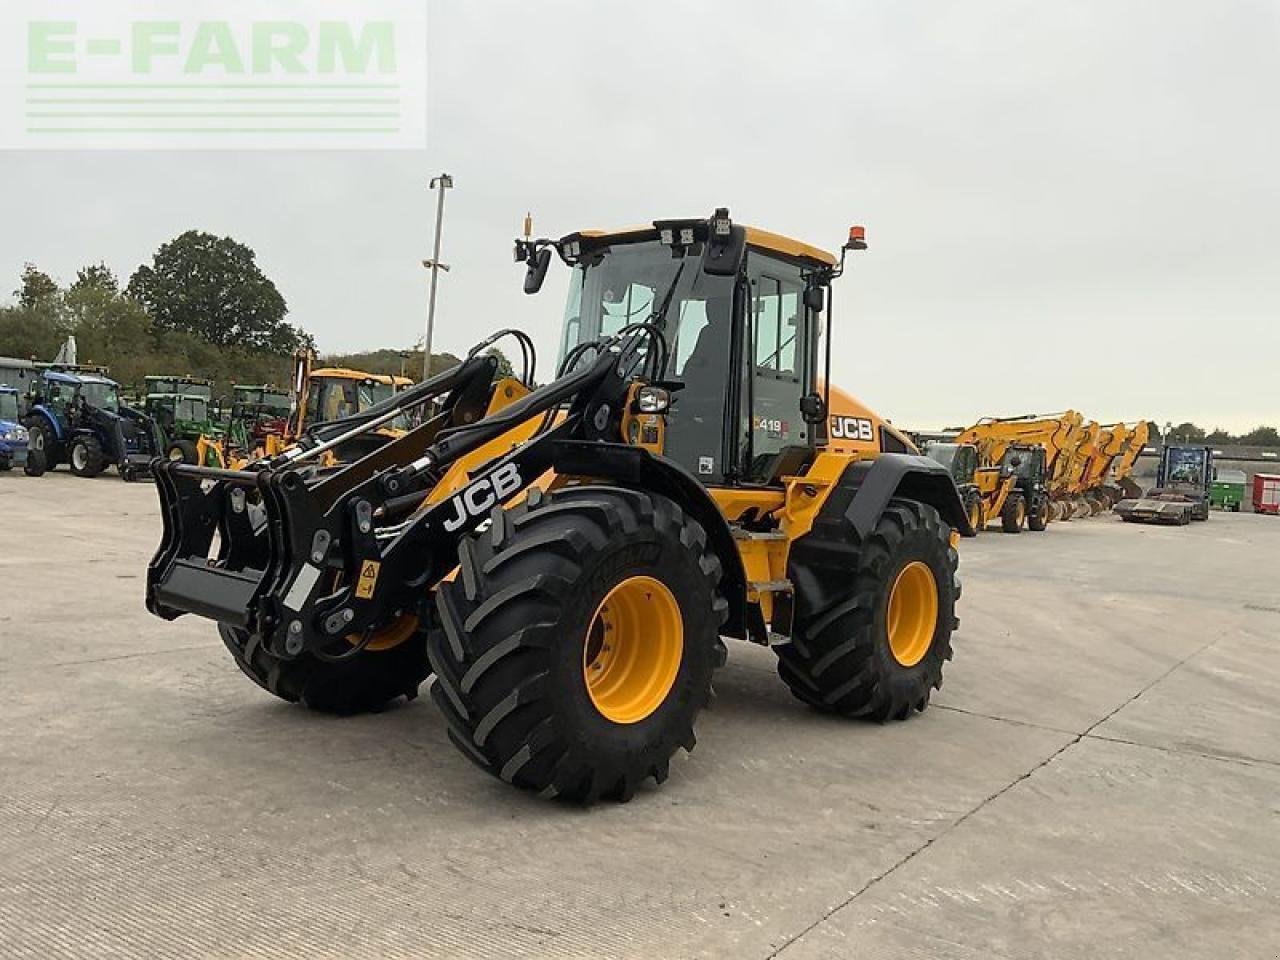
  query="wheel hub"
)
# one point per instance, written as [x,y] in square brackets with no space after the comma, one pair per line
[913,613]
[633,649]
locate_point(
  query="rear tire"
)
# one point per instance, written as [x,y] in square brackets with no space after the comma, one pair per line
[367,682]
[841,658]
[524,634]
[1014,514]
[86,456]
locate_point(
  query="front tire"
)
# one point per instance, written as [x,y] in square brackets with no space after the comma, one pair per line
[1038,516]
[41,441]
[870,652]
[1014,514]
[579,641]
[37,463]
[367,682]
[973,510]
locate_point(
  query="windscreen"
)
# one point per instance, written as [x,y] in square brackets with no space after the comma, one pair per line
[1186,468]
[647,282]
[101,395]
[1022,463]
[193,408]
[943,453]
[8,406]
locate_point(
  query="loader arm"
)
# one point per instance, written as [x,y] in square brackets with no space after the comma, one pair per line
[307,558]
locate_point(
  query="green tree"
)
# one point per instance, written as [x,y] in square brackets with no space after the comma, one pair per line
[1188,433]
[212,287]
[1261,437]
[504,365]
[95,276]
[38,289]
[1218,435]
[110,328]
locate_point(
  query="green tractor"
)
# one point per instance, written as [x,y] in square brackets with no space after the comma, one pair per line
[180,407]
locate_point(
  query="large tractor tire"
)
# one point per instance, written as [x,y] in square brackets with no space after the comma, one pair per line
[86,457]
[1038,515]
[1013,516]
[579,640]
[876,650]
[37,463]
[392,666]
[42,441]
[973,510]
[183,451]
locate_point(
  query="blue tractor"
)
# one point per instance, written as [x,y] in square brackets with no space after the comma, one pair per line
[76,417]
[13,435]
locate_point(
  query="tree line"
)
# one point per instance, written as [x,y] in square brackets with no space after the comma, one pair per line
[1257,437]
[202,307]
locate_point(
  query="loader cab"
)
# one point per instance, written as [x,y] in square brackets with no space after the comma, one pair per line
[960,459]
[1025,461]
[743,337]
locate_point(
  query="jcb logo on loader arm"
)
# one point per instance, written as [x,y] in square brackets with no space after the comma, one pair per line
[478,498]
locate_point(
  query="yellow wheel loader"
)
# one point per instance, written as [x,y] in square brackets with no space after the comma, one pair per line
[567,560]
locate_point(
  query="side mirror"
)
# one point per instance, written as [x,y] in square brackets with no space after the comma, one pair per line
[537,271]
[815,298]
[813,409]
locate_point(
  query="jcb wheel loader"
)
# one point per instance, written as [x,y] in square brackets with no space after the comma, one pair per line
[571,558]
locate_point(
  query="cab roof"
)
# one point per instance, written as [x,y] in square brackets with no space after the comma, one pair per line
[344,373]
[57,376]
[761,239]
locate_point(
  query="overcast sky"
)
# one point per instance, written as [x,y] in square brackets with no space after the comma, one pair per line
[1071,204]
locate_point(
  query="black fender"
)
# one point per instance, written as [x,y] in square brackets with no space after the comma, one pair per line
[821,562]
[638,468]
[866,487]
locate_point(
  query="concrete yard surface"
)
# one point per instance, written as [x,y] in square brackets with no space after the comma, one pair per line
[1099,778]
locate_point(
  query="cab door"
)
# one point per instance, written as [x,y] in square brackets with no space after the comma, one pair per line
[778,359]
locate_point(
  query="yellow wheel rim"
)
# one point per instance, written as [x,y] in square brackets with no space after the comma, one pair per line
[913,613]
[975,515]
[633,650]
[1021,513]
[388,637]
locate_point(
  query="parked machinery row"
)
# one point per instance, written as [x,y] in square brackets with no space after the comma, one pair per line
[1064,466]
[75,414]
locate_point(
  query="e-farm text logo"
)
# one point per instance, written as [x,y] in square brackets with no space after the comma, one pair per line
[273,74]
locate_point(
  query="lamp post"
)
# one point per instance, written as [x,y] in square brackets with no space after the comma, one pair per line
[443,183]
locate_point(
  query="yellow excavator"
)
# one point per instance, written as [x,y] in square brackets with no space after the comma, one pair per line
[1107,478]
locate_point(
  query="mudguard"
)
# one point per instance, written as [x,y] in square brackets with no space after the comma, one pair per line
[866,487]
[47,414]
[637,467]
